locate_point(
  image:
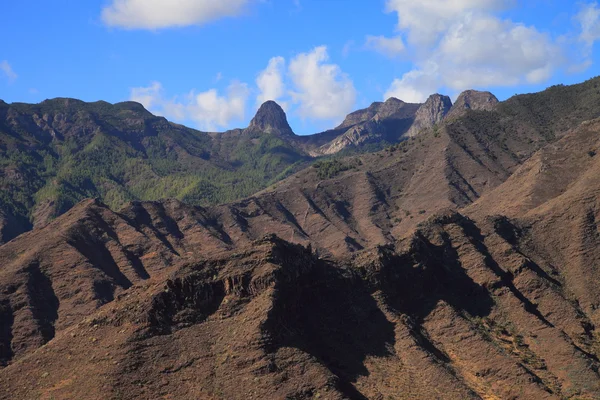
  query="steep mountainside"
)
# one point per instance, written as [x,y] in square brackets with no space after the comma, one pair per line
[270,118]
[60,151]
[472,100]
[432,112]
[381,124]
[189,305]
[458,264]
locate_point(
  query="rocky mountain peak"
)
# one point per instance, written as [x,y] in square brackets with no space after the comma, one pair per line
[360,116]
[430,113]
[436,106]
[378,110]
[390,107]
[473,100]
[394,101]
[270,118]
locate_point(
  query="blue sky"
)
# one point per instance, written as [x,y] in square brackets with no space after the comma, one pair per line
[209,63]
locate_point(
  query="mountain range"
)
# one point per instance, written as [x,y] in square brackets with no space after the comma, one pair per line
[445,252]
[60,151]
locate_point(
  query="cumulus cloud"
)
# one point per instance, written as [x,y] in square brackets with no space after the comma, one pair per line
[270,81]
[157,14]
[390,47]
[321,90]
[209,110]
[426,20]
[589,20]
[7,71]
[149,96]
[414,86]
[308,85]
[462,44]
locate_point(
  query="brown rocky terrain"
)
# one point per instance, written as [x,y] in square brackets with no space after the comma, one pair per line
[56,153]
[472,100]
[270,118]
[433,111]
[459,264]
[385,122]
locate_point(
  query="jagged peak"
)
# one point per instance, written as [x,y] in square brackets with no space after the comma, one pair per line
[473,100]
[362,115]
[270,118]
[476,99]
[433,111]
[390,107]
[437,105]
[377,109]
[438,97]
[394,100]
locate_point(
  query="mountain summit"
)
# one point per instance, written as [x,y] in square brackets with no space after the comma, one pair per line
[270,118]
[377,110]
[473,100]
[433,111]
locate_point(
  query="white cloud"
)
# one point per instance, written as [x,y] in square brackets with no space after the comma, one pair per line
[321,90]
[7,70]
[211,110]
[149,96]
[390,47]
[589,20]
[426,20]
[414,86]
[208,109]
[270,81]
[313,88]
[156,14]
[503,52]
[461,45]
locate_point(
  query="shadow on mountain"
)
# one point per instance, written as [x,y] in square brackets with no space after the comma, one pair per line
[330,314]
[44,303]
[414,283]
[6,324]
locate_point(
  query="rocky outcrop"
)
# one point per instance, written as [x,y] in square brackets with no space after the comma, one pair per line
[386,121]
[472,100]
[378,285]
[360,116]
[432,112]
[270,118]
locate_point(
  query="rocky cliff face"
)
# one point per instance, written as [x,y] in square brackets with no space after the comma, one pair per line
[380,283]
[379,122]
[472,100]
[432,112]
[270,118]
[360,116]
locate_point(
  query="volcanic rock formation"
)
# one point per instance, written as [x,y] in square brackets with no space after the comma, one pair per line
[458,264]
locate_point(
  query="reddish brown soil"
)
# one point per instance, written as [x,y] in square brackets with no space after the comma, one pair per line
[445,269]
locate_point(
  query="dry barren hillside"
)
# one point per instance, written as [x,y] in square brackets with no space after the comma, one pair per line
[460,264]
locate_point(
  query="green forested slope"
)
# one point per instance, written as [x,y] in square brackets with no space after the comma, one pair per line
[55,153]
